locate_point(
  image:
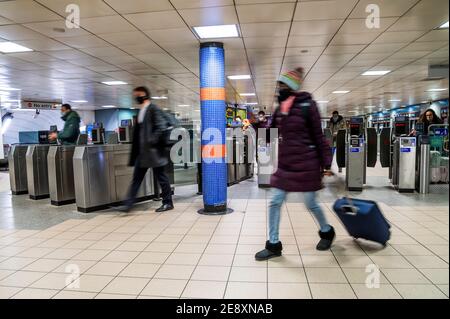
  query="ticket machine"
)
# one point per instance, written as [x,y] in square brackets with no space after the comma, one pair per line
[125,133]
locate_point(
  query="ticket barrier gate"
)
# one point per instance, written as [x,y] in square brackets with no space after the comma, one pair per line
[102,177]
[17,163]
[37,171]
[60,175]
[403,157]
[404,164]
[356,163]
[356,149]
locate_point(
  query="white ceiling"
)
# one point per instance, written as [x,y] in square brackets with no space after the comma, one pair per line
[151,42]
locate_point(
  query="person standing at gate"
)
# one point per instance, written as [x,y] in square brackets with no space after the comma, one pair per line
[71,131]
[148,150]
[336,123]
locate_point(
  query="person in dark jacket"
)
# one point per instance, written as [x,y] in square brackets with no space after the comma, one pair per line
[429,117]
[71,131]
[304,158]
[148,151]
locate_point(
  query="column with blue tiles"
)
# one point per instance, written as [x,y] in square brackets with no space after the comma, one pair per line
[212,96]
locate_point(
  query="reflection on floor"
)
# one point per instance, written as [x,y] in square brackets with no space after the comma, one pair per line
[48,252]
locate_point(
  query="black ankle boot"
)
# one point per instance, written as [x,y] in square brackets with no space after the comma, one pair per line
[326,240]
[271,251]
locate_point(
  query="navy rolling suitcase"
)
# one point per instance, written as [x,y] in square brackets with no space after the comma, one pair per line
[363,219]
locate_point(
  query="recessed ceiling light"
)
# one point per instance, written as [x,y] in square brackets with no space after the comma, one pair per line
[341,92]
[247,94]
[115,83]
[444,26]
[240,77]
[109,106]
[11,47]
[79,101]
[217,31]
[159,97]
[376,72]
[436,90]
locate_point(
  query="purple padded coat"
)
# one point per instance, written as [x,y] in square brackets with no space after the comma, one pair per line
[303,150]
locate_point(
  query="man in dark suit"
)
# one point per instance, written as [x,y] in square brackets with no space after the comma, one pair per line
[148,150]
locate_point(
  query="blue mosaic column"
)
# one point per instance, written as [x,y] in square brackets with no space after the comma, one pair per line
[212,96]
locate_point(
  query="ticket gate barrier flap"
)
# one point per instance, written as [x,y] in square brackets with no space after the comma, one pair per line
[356,164]
[102,177]
[404,164]
[372,147]
[341,142]
[60,175]
[423,176]
[385,147]
[231,160]
[241,169]
[37,171]
[328,136]
[267,163]
[17,163]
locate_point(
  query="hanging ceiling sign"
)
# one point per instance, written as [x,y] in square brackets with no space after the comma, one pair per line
[41,105]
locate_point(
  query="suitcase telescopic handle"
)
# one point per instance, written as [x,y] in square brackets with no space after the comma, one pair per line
[350,210]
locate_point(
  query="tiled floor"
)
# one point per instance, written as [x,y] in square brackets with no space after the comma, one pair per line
[181,254]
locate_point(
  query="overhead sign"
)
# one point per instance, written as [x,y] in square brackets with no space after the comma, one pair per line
[41,105]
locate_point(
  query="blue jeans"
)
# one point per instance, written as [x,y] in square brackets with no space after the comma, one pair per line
[278,197]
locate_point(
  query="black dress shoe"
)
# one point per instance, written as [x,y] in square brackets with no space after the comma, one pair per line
[124,209]
[165,208]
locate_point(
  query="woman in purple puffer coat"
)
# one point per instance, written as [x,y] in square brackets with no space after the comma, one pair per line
[304,158]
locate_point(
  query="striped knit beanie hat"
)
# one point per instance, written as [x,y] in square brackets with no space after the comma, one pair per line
[293,79]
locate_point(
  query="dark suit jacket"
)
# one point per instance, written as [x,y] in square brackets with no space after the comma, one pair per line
[148,151]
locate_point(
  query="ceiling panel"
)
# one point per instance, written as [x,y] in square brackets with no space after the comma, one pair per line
[324,10]
[192,4]
[136,41]
[165,35]
[156,20]
[56,29]
[88,8]
[280,29]
[209,16]
[138,6]
[263,13]
[110,24]
[22,11]
[316,27]
[394,8]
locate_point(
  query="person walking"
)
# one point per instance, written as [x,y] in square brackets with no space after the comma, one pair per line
[304,158]
[148,150]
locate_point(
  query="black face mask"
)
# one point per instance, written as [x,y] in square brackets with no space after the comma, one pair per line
[141,99]
[284,94]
